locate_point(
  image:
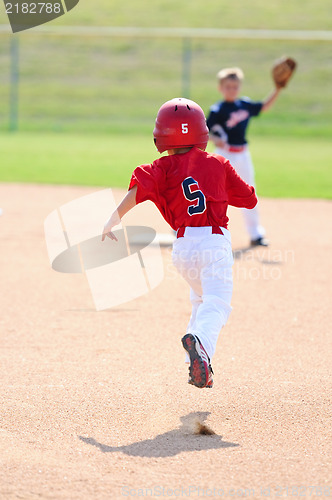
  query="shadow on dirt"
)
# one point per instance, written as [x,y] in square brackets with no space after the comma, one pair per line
[170,443]
[239,252]
[251,253]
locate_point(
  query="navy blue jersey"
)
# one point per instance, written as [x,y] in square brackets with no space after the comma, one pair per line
[234,118]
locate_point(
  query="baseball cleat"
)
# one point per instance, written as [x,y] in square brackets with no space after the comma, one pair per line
[200,369]
[263,242]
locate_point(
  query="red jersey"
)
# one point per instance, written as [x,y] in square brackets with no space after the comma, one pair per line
[192,189]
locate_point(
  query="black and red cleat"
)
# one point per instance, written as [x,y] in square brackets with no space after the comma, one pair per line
[200,369]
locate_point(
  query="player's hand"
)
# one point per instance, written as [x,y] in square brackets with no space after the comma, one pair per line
[114,220]
[219,143]
[218,136]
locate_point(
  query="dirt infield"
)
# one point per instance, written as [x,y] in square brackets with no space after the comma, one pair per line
[96,404]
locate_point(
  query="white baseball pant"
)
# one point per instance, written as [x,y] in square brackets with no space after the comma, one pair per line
[244,167]
[205,261]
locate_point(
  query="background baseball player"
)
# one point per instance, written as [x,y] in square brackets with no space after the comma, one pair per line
[228,122]
[192,189]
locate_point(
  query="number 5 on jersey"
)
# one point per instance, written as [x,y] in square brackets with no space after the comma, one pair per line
[194,195]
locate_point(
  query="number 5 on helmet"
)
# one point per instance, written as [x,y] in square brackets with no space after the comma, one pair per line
[180,123]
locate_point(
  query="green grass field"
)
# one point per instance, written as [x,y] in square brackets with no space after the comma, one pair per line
[282,14]
[285,167]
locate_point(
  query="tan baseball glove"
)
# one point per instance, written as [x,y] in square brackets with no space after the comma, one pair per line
[282,71]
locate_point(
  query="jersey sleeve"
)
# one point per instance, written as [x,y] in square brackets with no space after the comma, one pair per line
[239,193]
[150,181]
[254,108]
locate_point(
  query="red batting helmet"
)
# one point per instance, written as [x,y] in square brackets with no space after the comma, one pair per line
[180,123]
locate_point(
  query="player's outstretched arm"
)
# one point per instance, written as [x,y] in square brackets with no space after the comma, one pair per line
[270,99]
[282,71]
[128,202]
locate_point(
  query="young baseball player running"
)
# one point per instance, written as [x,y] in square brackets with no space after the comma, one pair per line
[192,190]
[228,121]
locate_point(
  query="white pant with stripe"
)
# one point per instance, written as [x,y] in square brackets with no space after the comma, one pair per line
[205,261]
[244,167]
